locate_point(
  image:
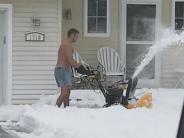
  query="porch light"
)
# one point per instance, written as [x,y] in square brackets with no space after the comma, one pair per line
[67,14]
[35,22]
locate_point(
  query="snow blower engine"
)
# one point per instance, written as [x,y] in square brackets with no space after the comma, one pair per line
[118,92]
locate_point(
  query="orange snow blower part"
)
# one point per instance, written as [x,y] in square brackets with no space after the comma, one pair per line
[143,101]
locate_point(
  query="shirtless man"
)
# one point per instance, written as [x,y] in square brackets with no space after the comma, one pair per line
[62,70]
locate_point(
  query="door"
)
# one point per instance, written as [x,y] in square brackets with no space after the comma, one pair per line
[2,25]
[140,32]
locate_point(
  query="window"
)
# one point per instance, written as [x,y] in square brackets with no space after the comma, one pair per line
[141,22]
[179,15]
[96,17]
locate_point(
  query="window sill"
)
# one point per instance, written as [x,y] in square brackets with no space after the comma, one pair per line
[96,35]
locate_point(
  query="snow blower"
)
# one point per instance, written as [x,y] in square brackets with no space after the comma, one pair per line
[121,92]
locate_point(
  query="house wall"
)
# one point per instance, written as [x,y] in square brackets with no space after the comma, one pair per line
[88,46]
[34,62]
[5,1]
[172,57]
[166,12]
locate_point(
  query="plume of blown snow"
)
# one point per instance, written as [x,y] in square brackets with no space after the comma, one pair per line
[168,38]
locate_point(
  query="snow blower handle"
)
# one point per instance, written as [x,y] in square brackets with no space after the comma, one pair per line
[82,70]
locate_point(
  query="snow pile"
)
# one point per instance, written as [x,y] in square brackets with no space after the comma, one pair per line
[51,122]
[47,121]
[11,112]
[78,98]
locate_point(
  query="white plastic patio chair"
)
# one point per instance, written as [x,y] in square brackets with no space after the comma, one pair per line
[111,61]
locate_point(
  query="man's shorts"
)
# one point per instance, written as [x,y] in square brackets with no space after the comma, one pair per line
[62,76]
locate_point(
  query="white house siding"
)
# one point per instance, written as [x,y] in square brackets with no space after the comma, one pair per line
[172,59]
[33,62]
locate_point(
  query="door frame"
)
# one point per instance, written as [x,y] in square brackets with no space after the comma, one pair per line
[123,12]
[8,75]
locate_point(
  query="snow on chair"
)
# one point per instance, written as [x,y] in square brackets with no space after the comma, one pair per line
[111,62]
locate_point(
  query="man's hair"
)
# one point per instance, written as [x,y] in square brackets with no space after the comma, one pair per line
[72,31]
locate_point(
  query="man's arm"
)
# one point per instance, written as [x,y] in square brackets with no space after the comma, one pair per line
[69,57]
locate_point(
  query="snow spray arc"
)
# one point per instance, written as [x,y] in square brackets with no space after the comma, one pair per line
[169,38]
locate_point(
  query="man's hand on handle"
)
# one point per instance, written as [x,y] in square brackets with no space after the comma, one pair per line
[82,70]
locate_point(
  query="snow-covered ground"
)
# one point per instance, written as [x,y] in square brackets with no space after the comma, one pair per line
[86,118]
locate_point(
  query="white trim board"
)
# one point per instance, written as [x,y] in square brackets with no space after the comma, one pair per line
[8,76]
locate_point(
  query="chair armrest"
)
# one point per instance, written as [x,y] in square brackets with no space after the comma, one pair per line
[84,63]
[122,69]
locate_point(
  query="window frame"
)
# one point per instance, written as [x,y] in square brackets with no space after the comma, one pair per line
[86,33]
[173,13]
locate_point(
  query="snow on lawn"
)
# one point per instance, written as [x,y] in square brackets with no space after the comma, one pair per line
[86,119]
